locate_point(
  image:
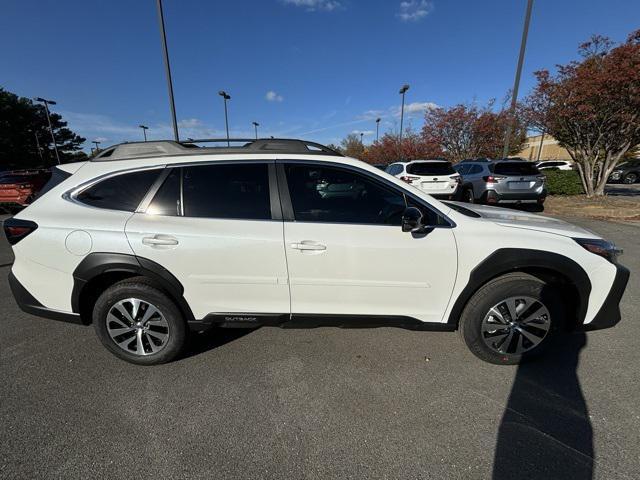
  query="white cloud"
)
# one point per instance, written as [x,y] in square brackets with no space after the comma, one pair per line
[100,139]
[109,131]
[415,108]
[315,5]
[414,10]
[366,133]
[372,114]
[272,96]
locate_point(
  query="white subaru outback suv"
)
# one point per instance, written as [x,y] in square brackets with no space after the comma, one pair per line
[149,241]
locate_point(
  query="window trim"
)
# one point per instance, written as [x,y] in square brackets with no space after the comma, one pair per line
[272,183]
[287,205]
[71,195]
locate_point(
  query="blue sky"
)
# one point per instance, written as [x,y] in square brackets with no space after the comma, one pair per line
[313,69]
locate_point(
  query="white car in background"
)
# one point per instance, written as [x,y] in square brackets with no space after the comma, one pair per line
[555,164]
[435,177]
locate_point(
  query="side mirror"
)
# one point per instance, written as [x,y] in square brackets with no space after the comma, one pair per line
[412,220]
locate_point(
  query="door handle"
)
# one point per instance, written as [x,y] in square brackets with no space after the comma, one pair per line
[308,245]
[160,241]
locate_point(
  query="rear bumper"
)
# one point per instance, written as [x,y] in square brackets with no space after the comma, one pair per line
[609,313]
[491,196]
[29,304]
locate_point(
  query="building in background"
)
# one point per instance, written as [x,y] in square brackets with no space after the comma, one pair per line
[548,149]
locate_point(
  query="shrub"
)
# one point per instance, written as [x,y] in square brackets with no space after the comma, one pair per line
[563,182]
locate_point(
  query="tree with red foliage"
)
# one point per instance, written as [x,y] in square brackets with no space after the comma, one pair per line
[592,107]
[469,131]
[391,149]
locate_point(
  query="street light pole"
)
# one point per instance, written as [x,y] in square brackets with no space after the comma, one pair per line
[377,128]
[403,90]
[46,109]
[255,125]
[361,136]
[167,68]
[96,143]
[144,131]
[516,83]
[226,97]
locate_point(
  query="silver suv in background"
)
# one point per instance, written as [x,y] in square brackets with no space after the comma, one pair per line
[501,182]
[435,177]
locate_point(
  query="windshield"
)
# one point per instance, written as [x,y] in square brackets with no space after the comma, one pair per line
[430,168]
[515,168]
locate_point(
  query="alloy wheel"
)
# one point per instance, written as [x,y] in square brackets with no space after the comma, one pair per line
[515,325]
[137,327]
[630,178]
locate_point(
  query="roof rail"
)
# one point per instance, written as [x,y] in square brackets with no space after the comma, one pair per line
[162,148]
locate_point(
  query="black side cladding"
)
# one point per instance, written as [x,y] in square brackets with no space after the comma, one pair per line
[96,264]
[507,260]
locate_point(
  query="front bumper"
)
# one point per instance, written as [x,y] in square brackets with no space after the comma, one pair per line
[609,313]
[29,304]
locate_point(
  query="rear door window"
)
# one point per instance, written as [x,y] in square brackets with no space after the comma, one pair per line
[430,168]
[515,168]
[238,191]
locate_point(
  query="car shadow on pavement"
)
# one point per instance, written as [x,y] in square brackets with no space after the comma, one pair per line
[213,338]
[545,430]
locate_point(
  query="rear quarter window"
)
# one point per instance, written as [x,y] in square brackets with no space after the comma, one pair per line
[121,192]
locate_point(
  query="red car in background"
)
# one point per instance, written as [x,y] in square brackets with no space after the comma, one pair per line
[18,188]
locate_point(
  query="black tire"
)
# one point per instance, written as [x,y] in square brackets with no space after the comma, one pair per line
[509,286]
[167,321]
[468,195]
[630,178]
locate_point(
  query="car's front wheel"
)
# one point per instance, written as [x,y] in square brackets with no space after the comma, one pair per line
[630,178]
[511,318]
[139,323]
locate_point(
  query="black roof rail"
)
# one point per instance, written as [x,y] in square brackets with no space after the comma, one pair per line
[161,148]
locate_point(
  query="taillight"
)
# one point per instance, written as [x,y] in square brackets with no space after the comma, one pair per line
[493,178]
[16,230]
[408,178]
[458,179]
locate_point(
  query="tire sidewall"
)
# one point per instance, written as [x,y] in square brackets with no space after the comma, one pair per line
[121,291]
[510,285]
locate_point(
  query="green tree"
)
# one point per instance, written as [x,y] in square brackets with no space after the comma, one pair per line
[24,126]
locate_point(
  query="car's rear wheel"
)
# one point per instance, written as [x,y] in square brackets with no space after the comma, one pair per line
[630,178]
[468,196]
[139,323]
[511,318]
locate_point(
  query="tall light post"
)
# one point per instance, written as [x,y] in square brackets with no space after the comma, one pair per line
[46,109]
[226,97]
[167,68]
[144,131]
[255,125]
[402,91]
[361,138]
[96,143]
[377,129]
[516,83]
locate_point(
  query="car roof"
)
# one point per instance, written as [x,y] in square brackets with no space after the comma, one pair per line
[435,160]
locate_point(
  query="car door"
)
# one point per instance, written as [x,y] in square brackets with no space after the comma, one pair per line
[217,228]
[346,251]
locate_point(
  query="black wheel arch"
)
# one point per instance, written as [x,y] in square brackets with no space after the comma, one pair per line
[554,268]
[98,271]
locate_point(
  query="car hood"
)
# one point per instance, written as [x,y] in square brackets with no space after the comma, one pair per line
[526,220]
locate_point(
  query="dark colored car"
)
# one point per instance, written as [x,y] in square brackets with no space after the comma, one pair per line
[18,188]
[627,172]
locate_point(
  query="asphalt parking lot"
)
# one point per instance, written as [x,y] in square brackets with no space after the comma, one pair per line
[320,403]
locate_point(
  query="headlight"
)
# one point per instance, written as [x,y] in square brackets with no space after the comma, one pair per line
[616,174]
[601,247]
